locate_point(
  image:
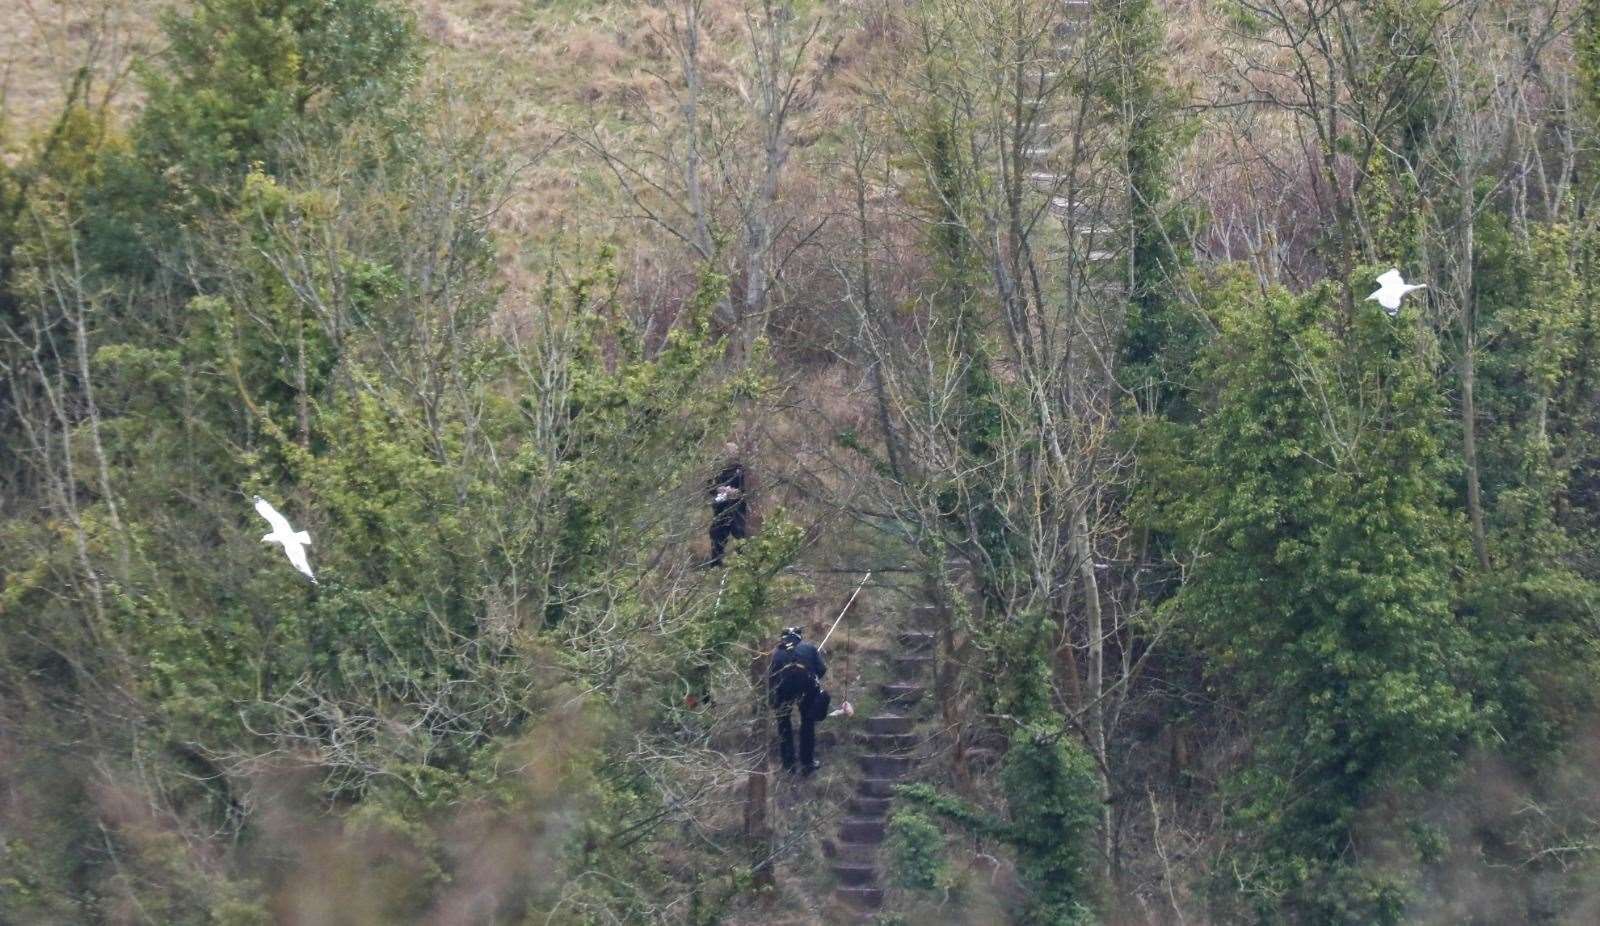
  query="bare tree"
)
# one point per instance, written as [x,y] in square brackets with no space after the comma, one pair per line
[711,172]
[997,396]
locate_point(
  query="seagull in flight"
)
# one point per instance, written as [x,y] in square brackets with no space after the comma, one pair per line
[1391,289]
[294,542]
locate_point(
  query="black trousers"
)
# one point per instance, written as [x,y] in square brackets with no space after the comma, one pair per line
[725,526]
[808,731]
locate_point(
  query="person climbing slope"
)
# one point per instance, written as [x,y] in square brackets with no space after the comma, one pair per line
[795,681]
[729,505]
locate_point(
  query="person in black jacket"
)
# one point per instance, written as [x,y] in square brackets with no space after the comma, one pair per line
[793,681]
[729,506]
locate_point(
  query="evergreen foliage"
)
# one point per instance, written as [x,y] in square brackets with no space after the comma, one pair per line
[239,75]
[916,850]
[484,510]
[1049,789]
[1325,600]
[1140,101]
[1248,598]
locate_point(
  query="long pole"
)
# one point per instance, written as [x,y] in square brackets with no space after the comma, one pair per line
[846,609]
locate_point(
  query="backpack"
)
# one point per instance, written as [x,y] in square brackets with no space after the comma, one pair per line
[816,707]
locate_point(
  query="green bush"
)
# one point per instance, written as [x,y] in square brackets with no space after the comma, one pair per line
[916,850]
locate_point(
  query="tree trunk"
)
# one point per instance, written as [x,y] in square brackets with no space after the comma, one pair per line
[757,819]
[302,401]
[1095,719]
[689,60]
[1466,290]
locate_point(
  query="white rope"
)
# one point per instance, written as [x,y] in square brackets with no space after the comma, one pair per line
[846,609]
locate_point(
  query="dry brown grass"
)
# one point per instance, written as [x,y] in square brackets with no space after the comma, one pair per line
[546,68]
[43,43]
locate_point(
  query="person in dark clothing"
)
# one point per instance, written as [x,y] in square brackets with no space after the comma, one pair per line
[729,506]
[793,681]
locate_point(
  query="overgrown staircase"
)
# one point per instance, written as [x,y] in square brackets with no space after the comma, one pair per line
[889,751]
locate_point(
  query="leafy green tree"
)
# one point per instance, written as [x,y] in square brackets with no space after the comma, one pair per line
[1050,791]
[1144,107]
[1316,487]
[1540,658]
[490,514]
[239,75]
[242,85]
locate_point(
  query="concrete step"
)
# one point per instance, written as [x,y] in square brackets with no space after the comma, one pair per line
[862,829]
[901,693]
[856,874]
[876,787]
[925,616]
[917,641]
[912,667]
[856,852]
[862,898]
[881,766]
[888,742]
[887,723]
[869,806]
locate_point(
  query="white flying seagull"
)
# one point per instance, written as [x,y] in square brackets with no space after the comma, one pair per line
[294,542]
[1391,289]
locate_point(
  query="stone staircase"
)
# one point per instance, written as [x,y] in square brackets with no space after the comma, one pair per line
[888,743]
[1082,221]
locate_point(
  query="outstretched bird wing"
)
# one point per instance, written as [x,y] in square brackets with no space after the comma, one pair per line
[280,524]
[297,559]
[1391,279]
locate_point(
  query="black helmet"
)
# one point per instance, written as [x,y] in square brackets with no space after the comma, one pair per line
[791,635]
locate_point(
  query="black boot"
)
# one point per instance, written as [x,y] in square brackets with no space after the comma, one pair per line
[786,737]
[808,742]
